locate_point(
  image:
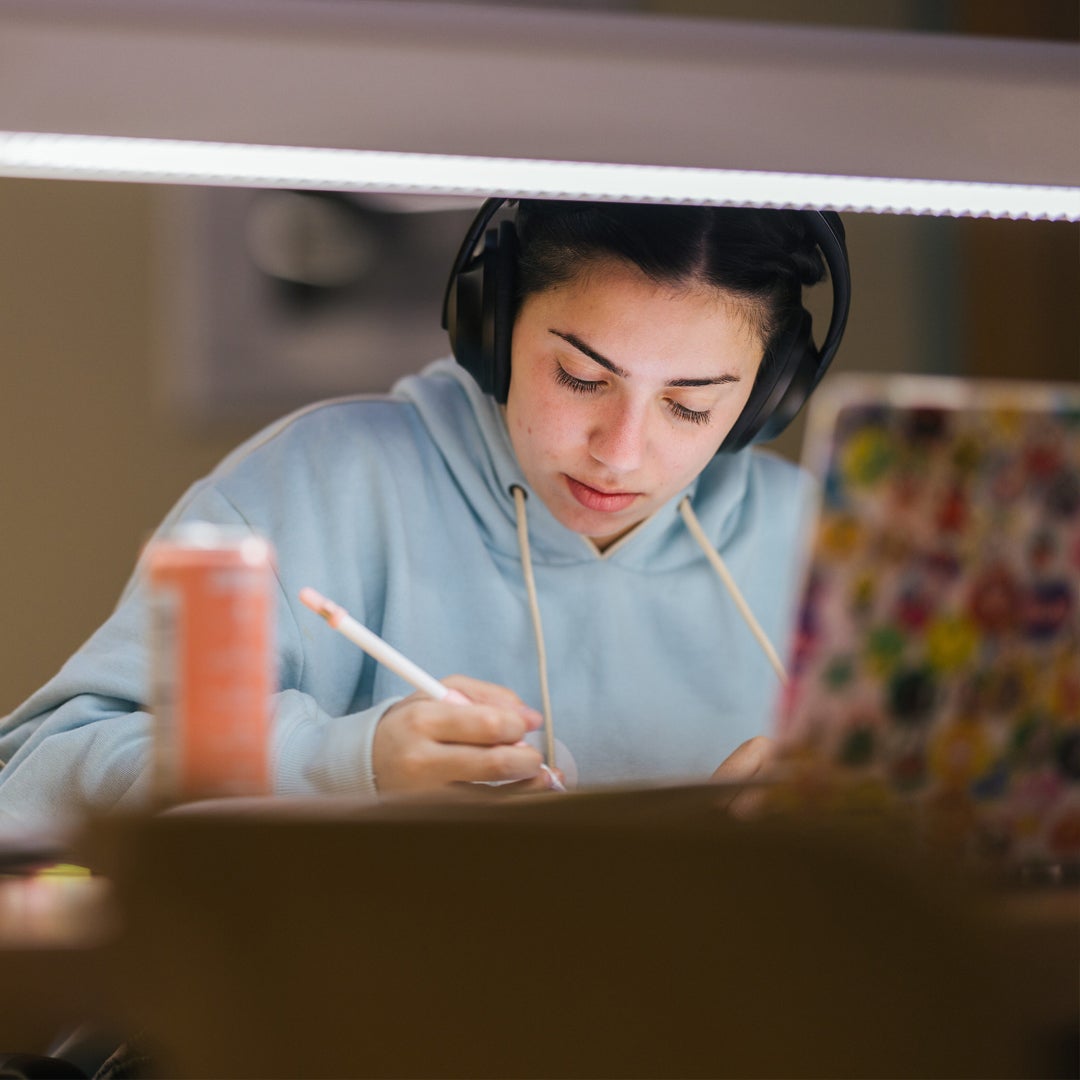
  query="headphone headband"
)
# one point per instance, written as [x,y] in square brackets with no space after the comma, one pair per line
[828,232]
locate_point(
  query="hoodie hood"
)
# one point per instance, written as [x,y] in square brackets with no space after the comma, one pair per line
[470,432]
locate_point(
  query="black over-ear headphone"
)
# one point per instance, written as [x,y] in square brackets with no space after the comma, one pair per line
[478,313]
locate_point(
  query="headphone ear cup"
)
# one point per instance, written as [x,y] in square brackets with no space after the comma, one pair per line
[463,316]
[796,364]
[479,311]
[783,384]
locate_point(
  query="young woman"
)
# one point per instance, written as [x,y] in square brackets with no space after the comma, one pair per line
[564,521]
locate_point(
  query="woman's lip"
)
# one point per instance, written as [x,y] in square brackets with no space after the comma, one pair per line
[592,499]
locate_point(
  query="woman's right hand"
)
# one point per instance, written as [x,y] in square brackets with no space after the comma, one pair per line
[424,745]
[742,772]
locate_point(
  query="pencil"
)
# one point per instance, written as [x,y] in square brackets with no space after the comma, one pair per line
[387,655]
[374,645]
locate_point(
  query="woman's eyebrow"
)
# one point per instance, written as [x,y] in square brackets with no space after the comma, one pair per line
[718,380]
[591,353]
[604,362]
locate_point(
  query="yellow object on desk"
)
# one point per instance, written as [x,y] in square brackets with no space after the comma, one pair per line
[64,870]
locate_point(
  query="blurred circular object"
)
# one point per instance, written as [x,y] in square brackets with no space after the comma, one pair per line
[312,239]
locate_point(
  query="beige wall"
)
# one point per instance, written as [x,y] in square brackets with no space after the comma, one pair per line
[89,462]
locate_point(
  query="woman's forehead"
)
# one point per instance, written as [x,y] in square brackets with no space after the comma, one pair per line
[607,286]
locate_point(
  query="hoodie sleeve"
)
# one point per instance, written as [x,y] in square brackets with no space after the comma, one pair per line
[84,739]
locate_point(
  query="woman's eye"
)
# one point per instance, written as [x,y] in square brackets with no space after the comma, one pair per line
[693,416]
[587,386]
[582,386]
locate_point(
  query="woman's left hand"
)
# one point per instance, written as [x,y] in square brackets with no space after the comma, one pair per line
[746,764]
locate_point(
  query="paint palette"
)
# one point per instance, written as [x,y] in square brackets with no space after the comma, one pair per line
[936,655]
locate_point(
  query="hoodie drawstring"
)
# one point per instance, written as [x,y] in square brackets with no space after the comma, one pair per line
[717,563]
[538,629]
[698,533]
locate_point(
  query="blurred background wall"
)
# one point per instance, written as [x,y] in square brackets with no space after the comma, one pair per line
[97,441]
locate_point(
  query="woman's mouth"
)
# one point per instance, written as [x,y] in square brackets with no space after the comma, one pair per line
[591,498]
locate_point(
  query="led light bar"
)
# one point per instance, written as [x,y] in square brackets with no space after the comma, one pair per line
[171,161]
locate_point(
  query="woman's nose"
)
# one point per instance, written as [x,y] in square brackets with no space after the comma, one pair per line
[618,439]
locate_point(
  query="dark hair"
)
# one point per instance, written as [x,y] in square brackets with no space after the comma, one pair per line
[763,257]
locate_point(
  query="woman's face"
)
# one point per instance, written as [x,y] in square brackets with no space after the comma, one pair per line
[621,391]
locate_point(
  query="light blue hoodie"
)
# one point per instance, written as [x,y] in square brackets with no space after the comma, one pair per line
[400,508]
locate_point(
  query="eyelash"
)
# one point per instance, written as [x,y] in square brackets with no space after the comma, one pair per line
[564,378]
[693,416]
[583,386]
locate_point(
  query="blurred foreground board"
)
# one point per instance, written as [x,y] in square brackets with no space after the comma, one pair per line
[630,933]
